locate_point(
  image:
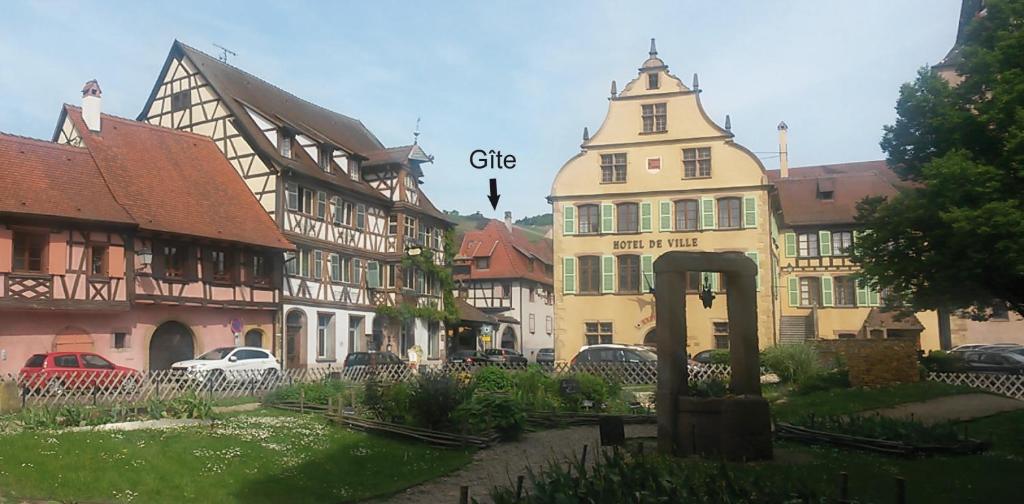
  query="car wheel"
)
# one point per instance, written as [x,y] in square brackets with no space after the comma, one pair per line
[55,387]
[130,385]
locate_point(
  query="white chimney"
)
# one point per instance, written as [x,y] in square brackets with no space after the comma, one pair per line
[508,220]
[91,105]
[783,151]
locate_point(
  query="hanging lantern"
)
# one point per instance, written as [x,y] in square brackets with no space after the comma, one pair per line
[707,297]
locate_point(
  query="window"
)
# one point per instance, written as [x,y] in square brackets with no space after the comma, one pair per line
[318,264]
[120,340]
[697,162]
[547,324]
[181,100]
[390,280]
[506,290]
[291,261]
[304,262]
[96,362]
[360,216]
[841,243]
[629,273]
[220,267]
[307,201]
[729,213]
[687,215]
[693,281]
[613,168]
[174,257]
[810,291]
[260,270]
[652,81]
[285,144]
[654,164]
[598,332]
[410,228]
[392,225]
[346,269]
[325,159]
[654,118]
[433,340]
[844,289]
[335,265]
[324,335]
[321,204]
[336,210]
[292,197]
[98,260]
[483,263]
[721,333]
[590,219]
[66,361]
[346,214]
[29,249]
[533,323]
[807,245]
[627,217]
[357,271]
[589,274]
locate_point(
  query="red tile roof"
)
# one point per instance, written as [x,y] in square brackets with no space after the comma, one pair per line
[176,182]
[849,182]
[39,178]
[510,252]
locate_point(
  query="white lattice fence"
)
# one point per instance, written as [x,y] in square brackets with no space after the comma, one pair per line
[1004,384]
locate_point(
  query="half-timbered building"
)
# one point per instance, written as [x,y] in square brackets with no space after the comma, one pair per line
[506,273]
[352,207]
[134,241]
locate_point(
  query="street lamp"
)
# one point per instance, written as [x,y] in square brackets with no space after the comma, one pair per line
[706,296]
[145,258]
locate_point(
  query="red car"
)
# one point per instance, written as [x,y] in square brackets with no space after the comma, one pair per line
[57,372]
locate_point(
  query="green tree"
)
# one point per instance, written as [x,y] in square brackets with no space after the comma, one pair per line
[953,238]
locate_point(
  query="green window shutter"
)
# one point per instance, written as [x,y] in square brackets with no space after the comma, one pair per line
[568,220]
[569,275]
[757,276]
[715,283]
[607,218]
[608,274]
[707,210]
[874,299]
[862,294]
[790,244]
[372,274]
[647,272]
[794,291]
[645,217]
[750,212]
[665,216]
[825,243]
[826,291]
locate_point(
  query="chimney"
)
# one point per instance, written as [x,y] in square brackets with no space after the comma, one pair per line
[508,220]
[783,151]
[91,105]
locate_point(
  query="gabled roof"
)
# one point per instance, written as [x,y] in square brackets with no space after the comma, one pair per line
[45,179]
[470,313]
[510,252]
[397,155]
[798,194]
[175,182]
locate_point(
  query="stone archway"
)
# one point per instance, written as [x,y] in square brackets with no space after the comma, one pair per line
[253,338]
[171,342]
[508,338]
[73,339]
[295,339]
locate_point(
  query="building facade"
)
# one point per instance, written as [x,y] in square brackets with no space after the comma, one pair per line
[507,273]
[352,207]
[108,245]
[658,175]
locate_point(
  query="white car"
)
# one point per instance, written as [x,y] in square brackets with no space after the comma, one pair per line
[231,364]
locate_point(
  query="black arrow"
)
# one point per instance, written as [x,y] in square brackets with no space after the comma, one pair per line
[494,196]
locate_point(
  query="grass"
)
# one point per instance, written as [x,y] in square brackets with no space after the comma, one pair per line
[845,401]
[1005,431]
[255,457]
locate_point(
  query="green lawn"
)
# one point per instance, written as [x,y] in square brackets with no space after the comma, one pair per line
[263,456]
[789,407]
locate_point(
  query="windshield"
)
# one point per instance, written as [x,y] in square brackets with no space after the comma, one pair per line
[36,361]
[216,354]
[646,355]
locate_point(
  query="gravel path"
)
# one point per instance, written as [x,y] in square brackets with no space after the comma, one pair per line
[951,408]
[503,462]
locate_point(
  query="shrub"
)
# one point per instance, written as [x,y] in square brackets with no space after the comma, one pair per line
[592,388]
[39,418]
[433,399]
[938,361]
[720,357]
[792,363]
[394,405]
[712,387]
[828,380]
[156,408]
[71,415]
[536,391]
[191,405]
[492,411]
[493,379]
[312,393]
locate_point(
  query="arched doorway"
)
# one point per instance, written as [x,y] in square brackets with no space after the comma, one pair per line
[295,338]
[72,339]
[508,338]
[651,338]
[171,342]
[254,338]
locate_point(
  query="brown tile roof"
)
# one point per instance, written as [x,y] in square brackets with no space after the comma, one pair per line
[176,182]
[470,313]
[892,320]
[510,253]
[850,183]
[40,178]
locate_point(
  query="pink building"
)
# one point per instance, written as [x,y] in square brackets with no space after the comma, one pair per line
[130,240]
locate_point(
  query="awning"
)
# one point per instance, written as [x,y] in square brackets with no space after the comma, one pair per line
[469,313]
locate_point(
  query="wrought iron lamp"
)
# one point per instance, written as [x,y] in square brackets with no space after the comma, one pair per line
[707,297]
[145,258]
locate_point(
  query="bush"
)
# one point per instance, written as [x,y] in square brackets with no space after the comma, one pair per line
[834,379]
[391,403]
[938,361]
[713,387]
[433,399]
[792,363]
[312,393]
[720,357]
[492,411]
[880,427]
[191,405]
[493,379]
[536,391]
[592,388]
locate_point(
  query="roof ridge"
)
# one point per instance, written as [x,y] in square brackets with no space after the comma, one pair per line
[321,107]
[135,122]
[40,142]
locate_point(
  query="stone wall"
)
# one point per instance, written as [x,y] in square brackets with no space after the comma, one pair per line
[874,363]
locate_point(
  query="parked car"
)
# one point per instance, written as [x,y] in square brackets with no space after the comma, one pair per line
[546,356]
[230,364]
[469,357]
[356,360]
[994,362]
[704,357]
[504,355]
[58,372]
[615,353]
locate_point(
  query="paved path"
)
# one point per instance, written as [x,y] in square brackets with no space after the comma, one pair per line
[502,462]
[951,408]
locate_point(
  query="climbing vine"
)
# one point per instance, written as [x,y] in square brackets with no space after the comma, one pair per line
[443,272]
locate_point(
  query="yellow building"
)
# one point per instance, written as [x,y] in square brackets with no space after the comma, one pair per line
[658,175]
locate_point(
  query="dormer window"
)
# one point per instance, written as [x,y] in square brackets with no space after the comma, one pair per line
[652,81]
[826,189]
[325,159]
[285,145]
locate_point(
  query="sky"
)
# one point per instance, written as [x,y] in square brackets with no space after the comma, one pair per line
[524,78]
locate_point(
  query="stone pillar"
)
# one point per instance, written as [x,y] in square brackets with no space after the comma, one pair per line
[670,310]
[743,351]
